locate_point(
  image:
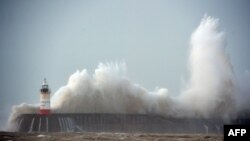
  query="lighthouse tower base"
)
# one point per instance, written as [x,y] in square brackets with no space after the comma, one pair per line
[44,111]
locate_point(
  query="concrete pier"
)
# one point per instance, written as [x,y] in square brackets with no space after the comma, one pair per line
[129,123]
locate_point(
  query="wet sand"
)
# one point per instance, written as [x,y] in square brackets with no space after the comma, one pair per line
[88,136]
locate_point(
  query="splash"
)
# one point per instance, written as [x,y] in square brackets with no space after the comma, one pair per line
[210,92]
[17,110]
[108,91]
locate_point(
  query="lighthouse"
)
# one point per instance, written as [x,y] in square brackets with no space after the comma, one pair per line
[44,98]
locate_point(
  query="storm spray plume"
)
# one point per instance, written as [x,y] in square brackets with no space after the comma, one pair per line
[18,110]
[107,91]
[209,92]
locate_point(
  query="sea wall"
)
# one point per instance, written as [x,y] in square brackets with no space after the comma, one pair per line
[117,123]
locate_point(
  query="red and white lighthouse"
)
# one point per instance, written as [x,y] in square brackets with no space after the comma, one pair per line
[45,98]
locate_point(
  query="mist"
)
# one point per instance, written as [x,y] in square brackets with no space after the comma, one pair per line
[211,91]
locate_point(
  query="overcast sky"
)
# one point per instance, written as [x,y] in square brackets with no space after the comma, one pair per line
[53,39]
